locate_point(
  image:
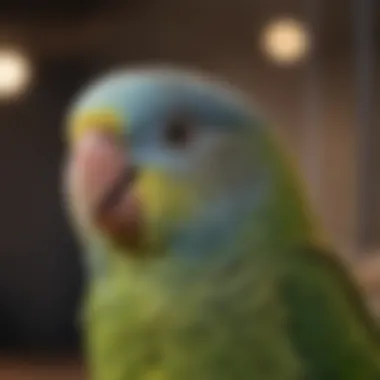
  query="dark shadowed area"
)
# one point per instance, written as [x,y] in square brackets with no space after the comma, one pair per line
[40,271]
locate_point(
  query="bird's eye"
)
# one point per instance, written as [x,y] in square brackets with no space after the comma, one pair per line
[178,132]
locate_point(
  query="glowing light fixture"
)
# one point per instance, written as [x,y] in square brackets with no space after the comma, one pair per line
[286,41]
[15,73]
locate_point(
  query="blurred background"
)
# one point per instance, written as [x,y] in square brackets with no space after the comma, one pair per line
[312,66]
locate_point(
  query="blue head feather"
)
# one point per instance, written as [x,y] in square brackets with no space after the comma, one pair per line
[146,99]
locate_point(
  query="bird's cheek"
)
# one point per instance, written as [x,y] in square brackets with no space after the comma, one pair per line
[165,203]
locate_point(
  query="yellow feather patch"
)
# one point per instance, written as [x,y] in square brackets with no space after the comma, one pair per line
[103,120]
[155,375]
[166,201]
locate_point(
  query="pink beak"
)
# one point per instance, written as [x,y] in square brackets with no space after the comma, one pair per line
[100,183]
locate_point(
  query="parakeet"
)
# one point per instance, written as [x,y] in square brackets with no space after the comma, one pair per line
[204,259]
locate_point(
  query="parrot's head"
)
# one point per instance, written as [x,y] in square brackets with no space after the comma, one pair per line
[166,159]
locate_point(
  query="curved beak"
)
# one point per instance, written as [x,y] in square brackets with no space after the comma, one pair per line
[100,181]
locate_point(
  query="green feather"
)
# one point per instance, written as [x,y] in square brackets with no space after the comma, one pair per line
[219,321]
[329,324]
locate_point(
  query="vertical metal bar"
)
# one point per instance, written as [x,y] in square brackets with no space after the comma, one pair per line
[313,107]
[364,58]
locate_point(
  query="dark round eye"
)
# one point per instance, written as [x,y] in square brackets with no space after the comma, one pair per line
[178,132]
